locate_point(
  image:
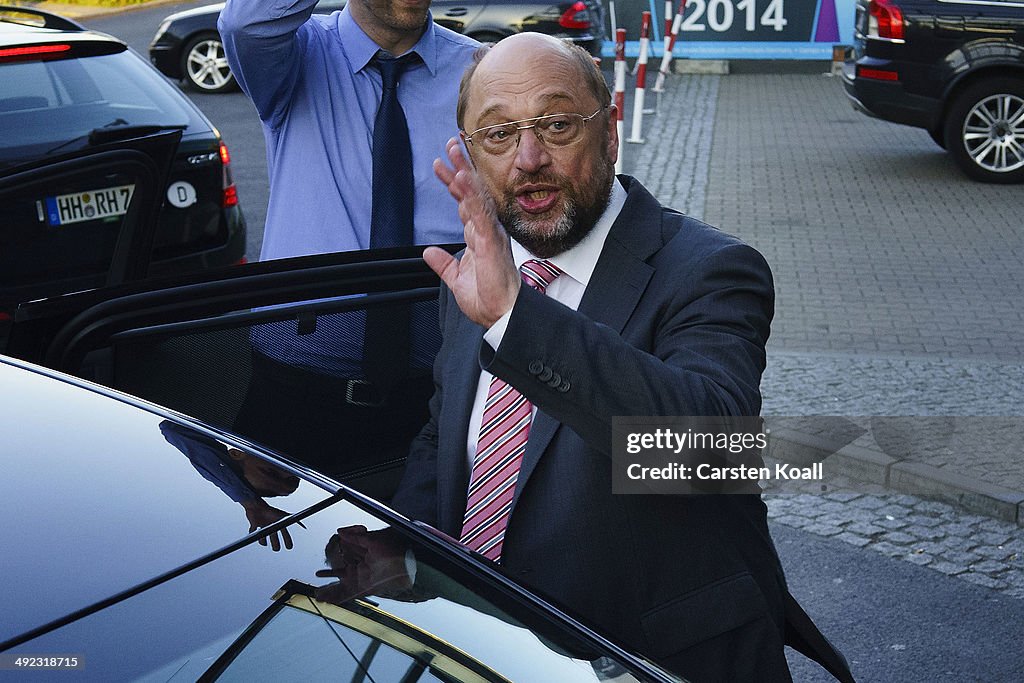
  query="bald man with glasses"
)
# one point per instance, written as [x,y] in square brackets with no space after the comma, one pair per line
[579,298]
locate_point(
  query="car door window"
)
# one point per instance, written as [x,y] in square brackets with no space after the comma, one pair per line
[82,221]
[267,352]
[300,644]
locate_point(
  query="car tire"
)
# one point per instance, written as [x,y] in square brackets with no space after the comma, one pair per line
[205,66]
[938,135]
[985,130]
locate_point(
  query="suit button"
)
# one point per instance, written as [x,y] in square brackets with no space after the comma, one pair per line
[545,375]
[555,380]
[536,367]
[564,386]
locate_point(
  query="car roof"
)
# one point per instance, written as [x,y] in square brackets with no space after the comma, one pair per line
[202,10]
[105,500]
[126,492]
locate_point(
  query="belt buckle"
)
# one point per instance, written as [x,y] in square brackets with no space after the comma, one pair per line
[366,401]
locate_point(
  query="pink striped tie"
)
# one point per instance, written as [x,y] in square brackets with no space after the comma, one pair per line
[499,453]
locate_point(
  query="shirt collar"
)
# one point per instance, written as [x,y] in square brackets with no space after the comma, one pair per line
[580,261]
[361,49]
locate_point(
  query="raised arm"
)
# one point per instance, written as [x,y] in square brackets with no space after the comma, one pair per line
[264,46]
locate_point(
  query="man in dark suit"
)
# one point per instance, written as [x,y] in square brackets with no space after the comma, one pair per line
[603,304]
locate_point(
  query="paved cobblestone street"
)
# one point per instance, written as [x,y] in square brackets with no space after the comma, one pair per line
[898,286]
[973,548]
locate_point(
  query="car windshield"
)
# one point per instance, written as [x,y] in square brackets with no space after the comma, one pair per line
[50,107]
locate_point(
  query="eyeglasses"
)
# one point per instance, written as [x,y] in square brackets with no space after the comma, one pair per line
[553,130]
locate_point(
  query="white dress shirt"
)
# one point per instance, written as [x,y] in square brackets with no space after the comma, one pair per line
[577,265]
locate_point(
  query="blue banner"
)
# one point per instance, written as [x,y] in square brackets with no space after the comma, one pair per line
[741,29]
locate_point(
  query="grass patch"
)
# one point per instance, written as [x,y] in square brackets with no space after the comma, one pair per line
[97,3]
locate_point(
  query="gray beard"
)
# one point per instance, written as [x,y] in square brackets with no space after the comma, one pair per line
[570,229]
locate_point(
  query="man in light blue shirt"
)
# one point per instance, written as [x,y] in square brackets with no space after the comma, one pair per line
[317,92]
[317,85]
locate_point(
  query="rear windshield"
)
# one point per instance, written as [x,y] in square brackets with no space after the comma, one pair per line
[49,107]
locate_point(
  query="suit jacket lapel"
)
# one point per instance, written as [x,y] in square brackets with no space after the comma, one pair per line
[460,381]
[614,290]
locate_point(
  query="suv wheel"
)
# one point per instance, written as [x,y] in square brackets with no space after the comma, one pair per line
[206,66]
[985,130]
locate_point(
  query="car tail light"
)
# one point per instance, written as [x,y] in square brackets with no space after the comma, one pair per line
[577,16]
[230,196]
[28,52]
[885,20]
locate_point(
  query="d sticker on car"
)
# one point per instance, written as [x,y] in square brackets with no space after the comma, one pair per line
[181,194]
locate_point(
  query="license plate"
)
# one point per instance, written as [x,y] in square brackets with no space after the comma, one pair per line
[86,206]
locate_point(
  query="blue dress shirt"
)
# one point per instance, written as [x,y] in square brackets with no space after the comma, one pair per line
[317,94]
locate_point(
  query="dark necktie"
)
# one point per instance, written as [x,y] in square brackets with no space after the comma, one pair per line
[386,340]
[391,218]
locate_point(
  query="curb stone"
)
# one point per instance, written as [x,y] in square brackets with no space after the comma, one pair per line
[874,467]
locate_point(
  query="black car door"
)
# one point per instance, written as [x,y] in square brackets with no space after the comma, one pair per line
[82,219]
[273,351]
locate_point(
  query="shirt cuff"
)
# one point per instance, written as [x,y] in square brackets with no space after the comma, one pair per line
[496,332]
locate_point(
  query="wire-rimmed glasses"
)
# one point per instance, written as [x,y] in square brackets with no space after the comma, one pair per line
[553,130]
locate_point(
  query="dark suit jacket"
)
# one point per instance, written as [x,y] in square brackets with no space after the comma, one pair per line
[673,322]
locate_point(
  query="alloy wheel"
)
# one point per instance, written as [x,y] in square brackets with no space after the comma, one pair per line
[207,65]
[993,133]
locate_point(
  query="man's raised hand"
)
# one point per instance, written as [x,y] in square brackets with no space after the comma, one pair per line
[485,281]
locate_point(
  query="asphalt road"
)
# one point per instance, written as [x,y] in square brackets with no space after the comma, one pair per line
[897,622]
[894,620]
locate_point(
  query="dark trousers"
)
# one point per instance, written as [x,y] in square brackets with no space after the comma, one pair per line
[345,428]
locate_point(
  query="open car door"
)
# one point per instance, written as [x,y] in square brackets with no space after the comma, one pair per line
[277,352]
[83,219]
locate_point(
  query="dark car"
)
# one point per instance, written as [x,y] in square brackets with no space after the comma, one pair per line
[187,46]
[139,544]
[63,90]
[955,69]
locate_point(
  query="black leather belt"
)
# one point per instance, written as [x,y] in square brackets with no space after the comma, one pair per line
[360,393]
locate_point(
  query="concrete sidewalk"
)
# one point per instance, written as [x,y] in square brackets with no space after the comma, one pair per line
[898,280]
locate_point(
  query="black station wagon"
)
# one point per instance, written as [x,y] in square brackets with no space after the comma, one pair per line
[64,89]
[954,68]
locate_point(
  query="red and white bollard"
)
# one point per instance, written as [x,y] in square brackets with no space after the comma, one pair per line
[620,92]
[670,43]
[641,78]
